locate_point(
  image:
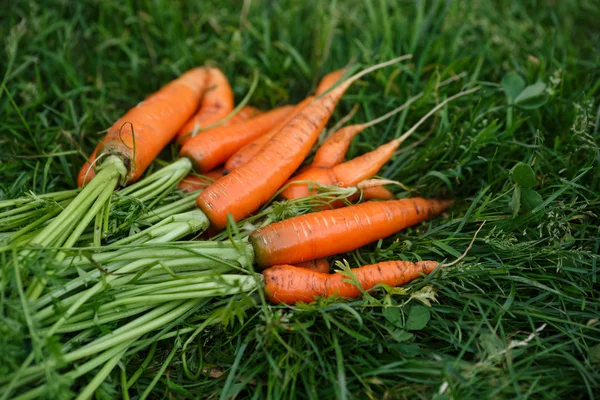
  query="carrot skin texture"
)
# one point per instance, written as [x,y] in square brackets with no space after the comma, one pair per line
[191,183]
[289,284]
[213,147]
[319,265]
[216,103]
[325,233]
[155,122]
[246,153]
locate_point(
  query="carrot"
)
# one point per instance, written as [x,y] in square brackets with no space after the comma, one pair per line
[319,265]
[289,284]
[246,188]
[329,80]
[329,232]
[138,136]
[377,193]
[191,183]
[247,152]
[350,173]
[216,104]
[214,146]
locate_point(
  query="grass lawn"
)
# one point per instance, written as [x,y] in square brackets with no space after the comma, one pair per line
[517,318]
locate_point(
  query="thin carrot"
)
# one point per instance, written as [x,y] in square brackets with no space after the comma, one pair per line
[191,183]
[377,193]
[216,104]
[352,172]
[138,136]
[246,188]
[319,265]
[214,146]
[289,284]
[329,80]
[246,153]
[325,233]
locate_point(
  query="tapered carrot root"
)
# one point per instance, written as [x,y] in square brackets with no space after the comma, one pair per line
[377,193]
[246,153]
[289,284]
[325,233]
[245,189]
[138,136]
[329,80]
[191,183]
[216,104]
[214,146]
[319,265]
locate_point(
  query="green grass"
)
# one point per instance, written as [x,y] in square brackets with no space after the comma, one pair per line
[518,318]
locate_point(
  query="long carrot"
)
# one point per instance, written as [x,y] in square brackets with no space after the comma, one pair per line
[246,153]
[245,189]
[289,284]
[350,173]
[216,104]
[325,233]
[214,146]
[138,136]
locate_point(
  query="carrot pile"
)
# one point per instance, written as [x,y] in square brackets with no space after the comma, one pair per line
[140,269]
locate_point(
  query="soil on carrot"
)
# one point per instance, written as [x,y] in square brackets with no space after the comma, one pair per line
[516,318]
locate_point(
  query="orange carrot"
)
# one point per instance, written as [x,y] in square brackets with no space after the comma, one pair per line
[214,146]
[377,193]
[216,104]
[143,131]
[325,233]
[352,172]
[191,183]
[290,285]
[246,188]
[319,265]
[246,153]
[329,80]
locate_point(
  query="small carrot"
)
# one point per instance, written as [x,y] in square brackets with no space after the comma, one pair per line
[214,146]
[319,265]
[329,232]
[191,183]
[246,113]
[247,152]
[246,188]
[352,172]
[138,136]
[216,104]
[377,193]
[289,284]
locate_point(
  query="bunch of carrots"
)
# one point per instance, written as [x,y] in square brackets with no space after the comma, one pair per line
[245,158]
